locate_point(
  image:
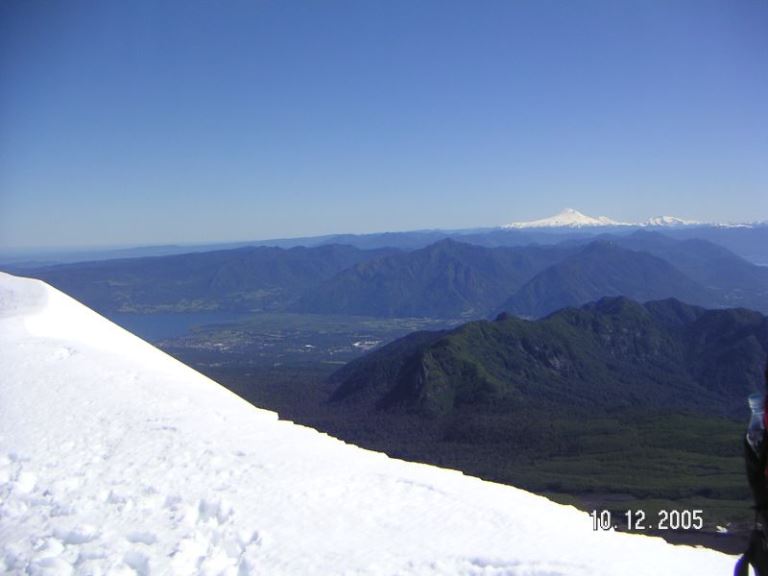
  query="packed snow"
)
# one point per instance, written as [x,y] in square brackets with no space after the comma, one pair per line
[117,459]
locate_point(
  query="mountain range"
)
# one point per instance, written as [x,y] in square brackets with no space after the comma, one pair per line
[249,278]
[749,239]
[457,280]
[447,279]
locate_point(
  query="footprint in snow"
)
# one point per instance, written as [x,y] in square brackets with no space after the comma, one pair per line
[138,562]
[214,510]
[139,537]
[80,534]
[62,353]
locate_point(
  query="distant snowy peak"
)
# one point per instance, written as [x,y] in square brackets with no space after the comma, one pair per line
[671,221]
[674,222]
[568,218]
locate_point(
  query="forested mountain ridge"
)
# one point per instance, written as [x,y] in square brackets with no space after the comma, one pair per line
[609,355]
[445,279]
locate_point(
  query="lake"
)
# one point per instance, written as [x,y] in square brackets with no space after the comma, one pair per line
[162,326]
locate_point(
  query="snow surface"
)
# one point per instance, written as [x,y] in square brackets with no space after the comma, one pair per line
[117,459]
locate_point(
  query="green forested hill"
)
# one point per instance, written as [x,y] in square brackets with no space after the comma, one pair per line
[609,355]
[614,404]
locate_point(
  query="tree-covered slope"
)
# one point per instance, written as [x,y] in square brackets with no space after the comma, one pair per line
[610,355]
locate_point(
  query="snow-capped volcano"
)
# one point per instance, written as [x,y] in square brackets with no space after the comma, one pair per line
[117,459]
[568,218]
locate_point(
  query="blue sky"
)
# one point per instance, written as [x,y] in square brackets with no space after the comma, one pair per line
[152,122]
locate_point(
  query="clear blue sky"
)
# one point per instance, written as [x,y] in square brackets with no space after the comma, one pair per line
[141,122]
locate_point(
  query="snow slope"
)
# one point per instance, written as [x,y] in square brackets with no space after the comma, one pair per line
[117,459]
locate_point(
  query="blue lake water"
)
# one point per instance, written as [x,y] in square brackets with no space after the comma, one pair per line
[156,327]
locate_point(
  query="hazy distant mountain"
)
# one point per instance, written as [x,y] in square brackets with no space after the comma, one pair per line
[732,280]
[446,279]
[252,278]
[749,242]
[612,354]
[603,268]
